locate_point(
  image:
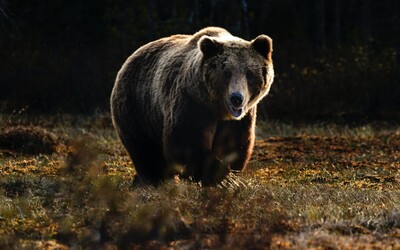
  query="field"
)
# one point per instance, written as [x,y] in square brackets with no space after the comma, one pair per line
[66,182]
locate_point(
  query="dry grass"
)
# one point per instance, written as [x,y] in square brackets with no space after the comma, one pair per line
[307,186]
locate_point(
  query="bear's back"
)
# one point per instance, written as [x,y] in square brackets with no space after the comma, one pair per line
[209,31]
[150,53]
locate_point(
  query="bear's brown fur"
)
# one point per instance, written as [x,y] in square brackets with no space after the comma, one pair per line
[189,101]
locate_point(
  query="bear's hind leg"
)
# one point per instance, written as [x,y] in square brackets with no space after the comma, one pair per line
[149,163]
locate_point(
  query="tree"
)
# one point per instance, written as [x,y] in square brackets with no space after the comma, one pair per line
[365,21]
[335,12]
[246,26]
[397,29]
[318,23]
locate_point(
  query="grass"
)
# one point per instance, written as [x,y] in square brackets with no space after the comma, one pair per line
[319,186]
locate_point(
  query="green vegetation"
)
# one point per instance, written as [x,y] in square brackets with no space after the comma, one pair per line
[307,186]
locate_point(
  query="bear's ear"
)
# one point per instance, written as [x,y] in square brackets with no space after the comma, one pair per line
[209,47]
[263,45]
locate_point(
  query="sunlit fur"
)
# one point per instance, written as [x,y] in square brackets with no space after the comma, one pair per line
[170,103]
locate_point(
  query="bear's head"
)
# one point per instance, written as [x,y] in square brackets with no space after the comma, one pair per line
[236,73]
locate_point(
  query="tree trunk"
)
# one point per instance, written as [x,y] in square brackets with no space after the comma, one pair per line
[3,16]
[246,31]
[194,16]
[151,7]
[318,23]
[365,22]
[336,19]
[212,11]
[397,29]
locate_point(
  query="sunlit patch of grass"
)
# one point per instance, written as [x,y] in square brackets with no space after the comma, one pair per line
[306,186]
[23,216]
[274,128]
[318,203]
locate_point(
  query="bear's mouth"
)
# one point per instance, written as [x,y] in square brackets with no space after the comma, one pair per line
[236,112]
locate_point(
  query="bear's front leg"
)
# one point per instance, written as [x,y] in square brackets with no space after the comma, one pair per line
[234,140]
[188,144]
[204,166]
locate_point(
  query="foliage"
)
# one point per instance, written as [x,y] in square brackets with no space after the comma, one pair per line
[354,84]
[331,57]
[307,186]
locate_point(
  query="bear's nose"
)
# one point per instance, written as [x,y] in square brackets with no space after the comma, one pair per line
[236,99]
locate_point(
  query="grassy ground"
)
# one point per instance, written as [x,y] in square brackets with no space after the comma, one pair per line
[320,186]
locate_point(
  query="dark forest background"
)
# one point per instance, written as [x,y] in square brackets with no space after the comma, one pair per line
[334,59]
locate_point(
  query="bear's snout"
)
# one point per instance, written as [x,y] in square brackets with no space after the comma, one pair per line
[236,99]
[236,104]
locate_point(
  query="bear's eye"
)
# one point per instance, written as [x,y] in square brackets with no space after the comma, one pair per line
[227,74]
[250,76]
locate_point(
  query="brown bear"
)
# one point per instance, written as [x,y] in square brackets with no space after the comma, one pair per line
[189,102]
